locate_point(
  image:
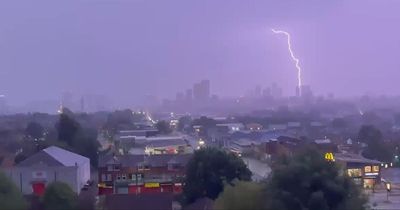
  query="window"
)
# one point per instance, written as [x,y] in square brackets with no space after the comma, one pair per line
[123,176]
[113,167]
[109,177]
[367,169]
[375,168]
[354,172]
[103,178]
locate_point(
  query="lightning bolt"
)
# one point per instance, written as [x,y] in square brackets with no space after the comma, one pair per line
[296,60]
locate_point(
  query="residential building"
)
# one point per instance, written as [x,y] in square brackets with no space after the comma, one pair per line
[135,174]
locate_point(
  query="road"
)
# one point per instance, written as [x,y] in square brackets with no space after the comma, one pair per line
[379,201]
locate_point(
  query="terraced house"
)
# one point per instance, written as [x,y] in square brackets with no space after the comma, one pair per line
[135,174]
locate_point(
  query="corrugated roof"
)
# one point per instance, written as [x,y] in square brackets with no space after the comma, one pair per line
[65,157]
[40,158]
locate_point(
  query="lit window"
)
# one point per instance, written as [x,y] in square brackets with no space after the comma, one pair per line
[354,172]
[375,168]
[367,169]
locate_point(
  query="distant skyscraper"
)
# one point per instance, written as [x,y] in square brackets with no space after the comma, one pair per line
[180,97]
[257,91]
[201,91]
[297,91]
[82,104]
[276,91]
[189,95]
[3,104]
[267,92]
[306,93]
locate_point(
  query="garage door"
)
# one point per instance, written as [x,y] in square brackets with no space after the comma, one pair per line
[122,190]
[38,188]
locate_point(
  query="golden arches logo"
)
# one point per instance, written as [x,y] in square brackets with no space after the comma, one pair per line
[329,156]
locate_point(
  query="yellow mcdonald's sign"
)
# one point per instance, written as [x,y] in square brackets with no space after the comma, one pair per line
[329,156]
[151,185]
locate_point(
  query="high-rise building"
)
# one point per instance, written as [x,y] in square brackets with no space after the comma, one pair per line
[297,91]
[306,93]
[180,97]
[189,95]
[3,104]
[276,91]
[201,91]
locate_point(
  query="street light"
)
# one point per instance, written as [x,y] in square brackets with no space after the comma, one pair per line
[388,189]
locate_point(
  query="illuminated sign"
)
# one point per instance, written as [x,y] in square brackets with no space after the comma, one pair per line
[371,174]
[39,175]
[151,185]
[329,156]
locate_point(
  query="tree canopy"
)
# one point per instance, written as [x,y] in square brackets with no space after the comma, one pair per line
[79,139]
[208,170]
[34,130]
[10,196]
[308,181]
[376,147]
[184,122]
[241,196]
[59,196]
[163,127]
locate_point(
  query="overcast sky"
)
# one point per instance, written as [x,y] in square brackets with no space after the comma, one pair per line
[129,48]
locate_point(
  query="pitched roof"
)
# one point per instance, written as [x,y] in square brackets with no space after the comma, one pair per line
[354,158]
[139,202]
[54,156]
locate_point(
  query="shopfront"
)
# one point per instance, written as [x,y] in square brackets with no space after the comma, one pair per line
[364,172]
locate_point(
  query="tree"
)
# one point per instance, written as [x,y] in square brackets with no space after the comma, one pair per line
[308,181]
[81,140]
[34,130]
[184,122]
[163,127]
[67,128]
[208,170]
[376,147]
[206,124]
[59,196]
[10,197]
[241,196]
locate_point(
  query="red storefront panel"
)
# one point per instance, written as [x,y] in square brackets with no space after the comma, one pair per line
[178,188]
[151,189]
[106,190]
[133,189]
[167,188]
[38,188]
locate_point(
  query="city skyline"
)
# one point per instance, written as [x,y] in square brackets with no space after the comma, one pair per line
[94,48]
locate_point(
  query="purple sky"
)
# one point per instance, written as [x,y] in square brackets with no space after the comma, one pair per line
[129,48]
